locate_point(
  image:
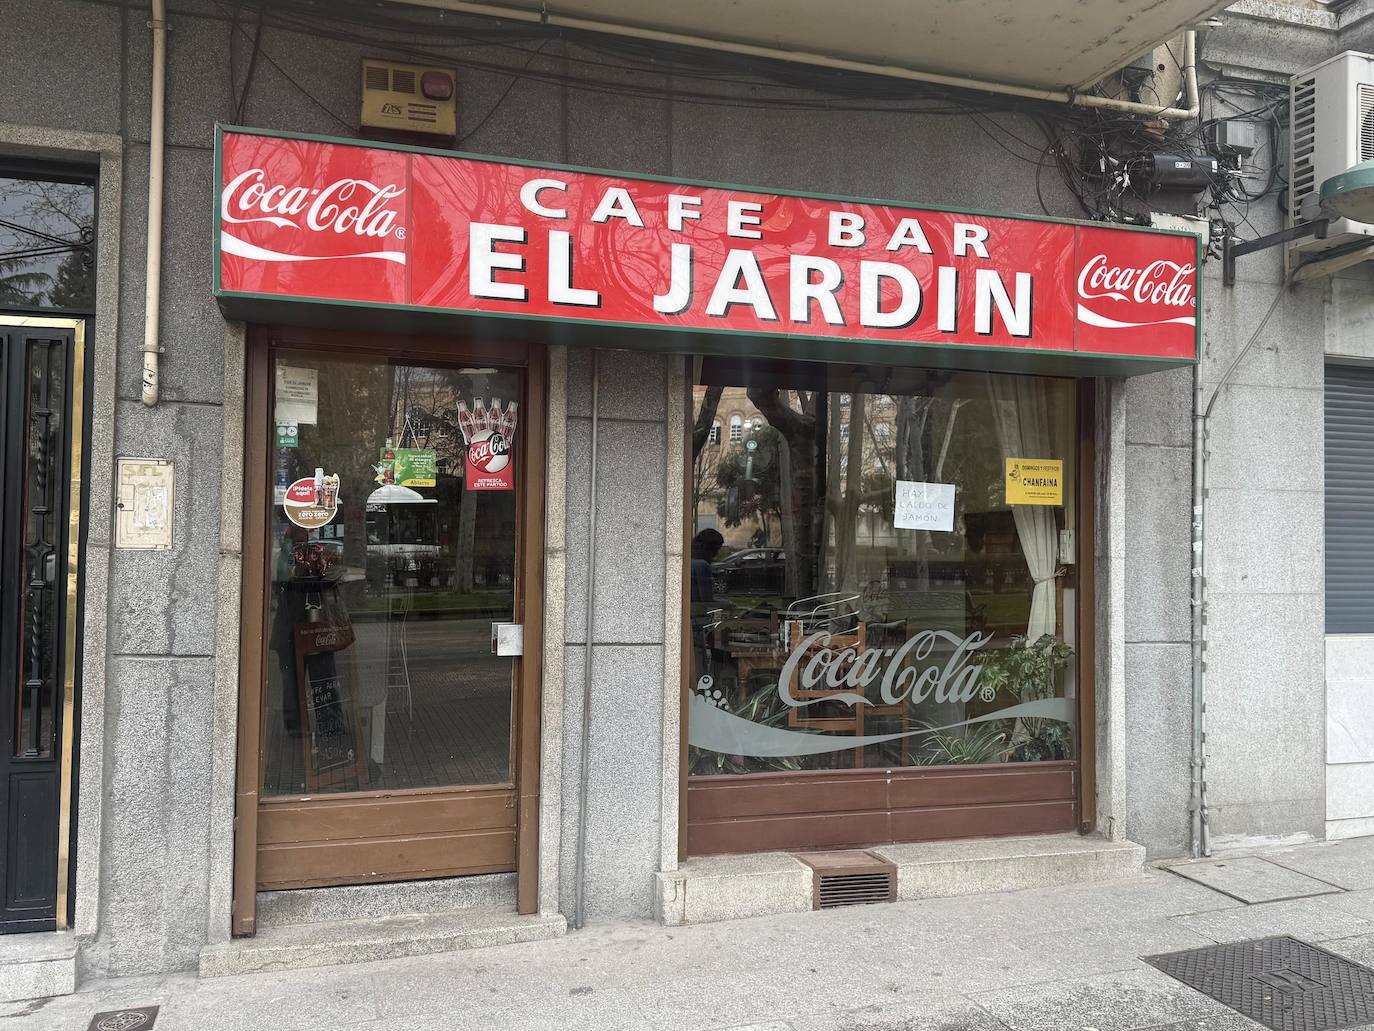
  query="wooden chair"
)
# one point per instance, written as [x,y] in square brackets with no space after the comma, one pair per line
[801,718]
[892,635]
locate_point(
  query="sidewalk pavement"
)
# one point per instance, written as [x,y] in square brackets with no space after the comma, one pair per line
[1049,959]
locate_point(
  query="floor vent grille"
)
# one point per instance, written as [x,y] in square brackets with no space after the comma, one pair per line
[851,878]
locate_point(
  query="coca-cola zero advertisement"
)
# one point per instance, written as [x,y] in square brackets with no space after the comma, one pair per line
[464,235]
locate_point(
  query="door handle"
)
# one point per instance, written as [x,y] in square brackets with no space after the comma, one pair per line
[507,639]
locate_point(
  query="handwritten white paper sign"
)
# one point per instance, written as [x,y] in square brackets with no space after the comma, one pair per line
[924,506]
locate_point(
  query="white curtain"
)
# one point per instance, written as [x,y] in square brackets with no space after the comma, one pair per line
[1021,411]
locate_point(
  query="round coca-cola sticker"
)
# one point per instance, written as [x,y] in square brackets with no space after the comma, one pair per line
[489,451]
[312,501]
[489,462]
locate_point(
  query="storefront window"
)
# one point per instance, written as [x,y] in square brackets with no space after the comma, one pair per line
[883,569]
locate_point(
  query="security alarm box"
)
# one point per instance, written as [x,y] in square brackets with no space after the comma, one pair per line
[409,99]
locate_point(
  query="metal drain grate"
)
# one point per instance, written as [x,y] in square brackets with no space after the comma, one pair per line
[1283,983]
[853,878]
[141,1019]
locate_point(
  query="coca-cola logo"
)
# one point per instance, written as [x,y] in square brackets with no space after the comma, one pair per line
[908,672]
[348,208]
[489,451]
[1160,283]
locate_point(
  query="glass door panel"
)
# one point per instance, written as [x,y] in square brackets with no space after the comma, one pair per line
[392,552]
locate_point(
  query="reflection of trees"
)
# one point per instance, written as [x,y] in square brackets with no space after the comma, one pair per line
[46,230]
[705,460]
[748,483]
[827,460]
[800,465]
[425,415]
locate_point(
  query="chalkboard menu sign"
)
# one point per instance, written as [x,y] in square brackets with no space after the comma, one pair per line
[334,756]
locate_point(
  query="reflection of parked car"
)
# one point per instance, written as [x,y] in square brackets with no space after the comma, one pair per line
[752,571]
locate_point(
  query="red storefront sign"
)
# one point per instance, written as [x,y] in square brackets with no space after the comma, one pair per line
[444,233]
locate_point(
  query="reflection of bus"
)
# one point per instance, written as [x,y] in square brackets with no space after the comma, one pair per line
[403,540]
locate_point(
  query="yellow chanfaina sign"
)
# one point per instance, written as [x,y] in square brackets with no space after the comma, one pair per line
[1035,481]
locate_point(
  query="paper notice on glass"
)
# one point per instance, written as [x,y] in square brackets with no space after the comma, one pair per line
[298,395]
[923,506]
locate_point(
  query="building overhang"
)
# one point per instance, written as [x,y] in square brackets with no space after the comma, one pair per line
[1052,45]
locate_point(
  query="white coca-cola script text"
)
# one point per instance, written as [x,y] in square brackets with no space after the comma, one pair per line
[1159,282]
[354,206]
[815,666]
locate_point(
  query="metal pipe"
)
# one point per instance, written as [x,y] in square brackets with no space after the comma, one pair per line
[1197,792]
[543,17]
[584,772]
[152,295]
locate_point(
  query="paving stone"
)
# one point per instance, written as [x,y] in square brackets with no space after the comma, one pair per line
[1059,958]
[1251,879]
[1315,919]
[1357,949]
[1220,1022]
[937,1013]
[1347,864]
[1119,1001]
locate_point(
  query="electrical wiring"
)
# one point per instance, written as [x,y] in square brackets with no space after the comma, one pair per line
[496,105]
[1097,154]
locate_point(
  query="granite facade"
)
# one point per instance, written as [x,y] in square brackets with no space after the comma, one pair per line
[162,796]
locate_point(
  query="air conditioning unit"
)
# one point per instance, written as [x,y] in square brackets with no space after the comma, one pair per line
[408,102]
[1332,111]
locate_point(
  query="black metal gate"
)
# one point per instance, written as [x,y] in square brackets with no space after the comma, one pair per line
[41,383]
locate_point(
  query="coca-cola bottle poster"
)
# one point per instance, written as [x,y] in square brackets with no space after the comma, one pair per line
[489,433]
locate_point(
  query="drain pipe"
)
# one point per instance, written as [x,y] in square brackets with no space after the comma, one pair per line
[1201,817]
[1201,844]
[584,772]
[152,297]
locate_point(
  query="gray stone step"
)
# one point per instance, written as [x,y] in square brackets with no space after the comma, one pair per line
[35,966]
[329,943]
[941,869]
[368,901]
[729,887]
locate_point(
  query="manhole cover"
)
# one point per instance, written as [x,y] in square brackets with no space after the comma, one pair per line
[1283,983]
[140,1019]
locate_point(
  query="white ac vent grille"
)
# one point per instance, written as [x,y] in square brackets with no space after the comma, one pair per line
[1304,117]
[1364,94]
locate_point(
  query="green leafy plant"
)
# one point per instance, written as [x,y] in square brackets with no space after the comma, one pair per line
[1026,670]
[1029,671]
[969,746]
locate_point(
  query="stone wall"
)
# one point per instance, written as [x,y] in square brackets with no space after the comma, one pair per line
[78,65]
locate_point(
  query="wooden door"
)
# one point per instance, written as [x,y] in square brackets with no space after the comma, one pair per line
[395,516]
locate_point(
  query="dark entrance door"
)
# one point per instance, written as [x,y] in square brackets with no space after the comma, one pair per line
[40,362]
